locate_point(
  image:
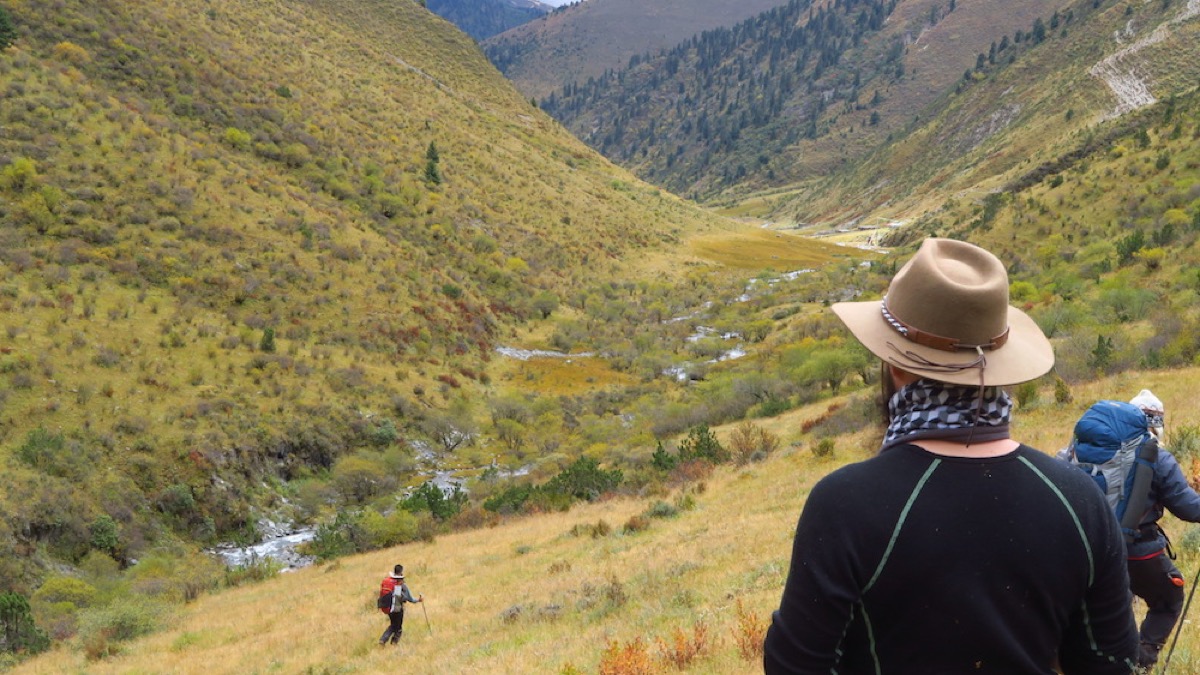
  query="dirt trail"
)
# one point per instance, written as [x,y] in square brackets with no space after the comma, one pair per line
[1120,70]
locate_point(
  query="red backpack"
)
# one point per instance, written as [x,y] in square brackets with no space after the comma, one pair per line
[386,589]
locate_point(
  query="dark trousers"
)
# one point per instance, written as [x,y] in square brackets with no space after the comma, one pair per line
[1153,581]
[396,627]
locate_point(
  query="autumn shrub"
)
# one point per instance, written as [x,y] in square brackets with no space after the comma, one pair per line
[636,523]
[749,633]
[684,647]
[630,658]
[751,443]
[690,472]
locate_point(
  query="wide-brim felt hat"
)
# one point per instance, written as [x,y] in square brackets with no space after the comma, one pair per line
[946,317]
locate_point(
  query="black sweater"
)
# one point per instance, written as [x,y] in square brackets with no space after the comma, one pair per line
[912,562]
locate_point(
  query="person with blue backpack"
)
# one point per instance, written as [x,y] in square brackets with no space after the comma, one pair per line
[1153,576]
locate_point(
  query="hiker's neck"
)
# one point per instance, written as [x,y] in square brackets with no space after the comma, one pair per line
[995,448]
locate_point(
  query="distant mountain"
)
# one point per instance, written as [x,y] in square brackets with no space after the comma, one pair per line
[586,39]
[810,90]
[482,19]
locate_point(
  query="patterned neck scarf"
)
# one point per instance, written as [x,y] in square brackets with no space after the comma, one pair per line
[927,409]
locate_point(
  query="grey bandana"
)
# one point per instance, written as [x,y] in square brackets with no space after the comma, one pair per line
[951,412]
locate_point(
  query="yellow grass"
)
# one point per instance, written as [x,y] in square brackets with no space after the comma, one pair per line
[758,249]
[734,545]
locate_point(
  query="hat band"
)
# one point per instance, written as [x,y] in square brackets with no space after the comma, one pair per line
[927,339]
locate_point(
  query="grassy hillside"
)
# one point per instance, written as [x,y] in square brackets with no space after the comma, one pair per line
[244,242]
[586,39]
[1040,109]
[837,113]
[554,592]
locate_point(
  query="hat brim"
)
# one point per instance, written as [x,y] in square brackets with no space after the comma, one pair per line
[396,576]
[1026,355]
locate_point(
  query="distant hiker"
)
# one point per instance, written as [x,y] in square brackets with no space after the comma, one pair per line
[396,593]
[956,549]
[1152,575]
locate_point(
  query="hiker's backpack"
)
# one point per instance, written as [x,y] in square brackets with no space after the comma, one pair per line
[386,590]
[1113,444]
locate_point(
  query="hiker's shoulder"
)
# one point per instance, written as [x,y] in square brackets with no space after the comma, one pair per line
[1057,468]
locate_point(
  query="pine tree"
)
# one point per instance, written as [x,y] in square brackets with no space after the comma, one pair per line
[8,33]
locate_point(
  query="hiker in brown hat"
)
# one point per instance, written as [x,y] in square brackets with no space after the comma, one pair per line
[956,549]
[393,593]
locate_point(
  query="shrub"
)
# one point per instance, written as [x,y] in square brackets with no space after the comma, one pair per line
[661,509]
[1026,394]
[45,451]
[382,531]
[509,500]
[430,497]
[1184,441]
[1062,391]
[631,658]
[752,443]
[584,479]
[683,648]
[76,592]
[133,617]
[749,634]
[597,530]
[257,569]
[823,447]
[702,443]
[636,523]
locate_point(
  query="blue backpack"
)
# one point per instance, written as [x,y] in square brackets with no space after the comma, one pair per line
[1113,444]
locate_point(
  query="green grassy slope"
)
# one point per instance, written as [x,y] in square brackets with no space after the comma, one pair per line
[226,261]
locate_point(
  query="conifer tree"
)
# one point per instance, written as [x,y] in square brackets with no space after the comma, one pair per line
[8,33]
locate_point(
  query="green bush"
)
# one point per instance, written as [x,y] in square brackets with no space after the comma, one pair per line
[823,447]
[77,592]
[429,497]
[257,569]
[1026,394]
[1184,441]
[132,617]
[584,479]
[702,443]
[382,531]
[661,509]
[509,500]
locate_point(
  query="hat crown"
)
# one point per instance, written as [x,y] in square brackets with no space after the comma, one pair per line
[1146,400]
[954,290]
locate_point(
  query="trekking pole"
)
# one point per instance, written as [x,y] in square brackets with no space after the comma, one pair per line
[1179,628]
[430,626]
